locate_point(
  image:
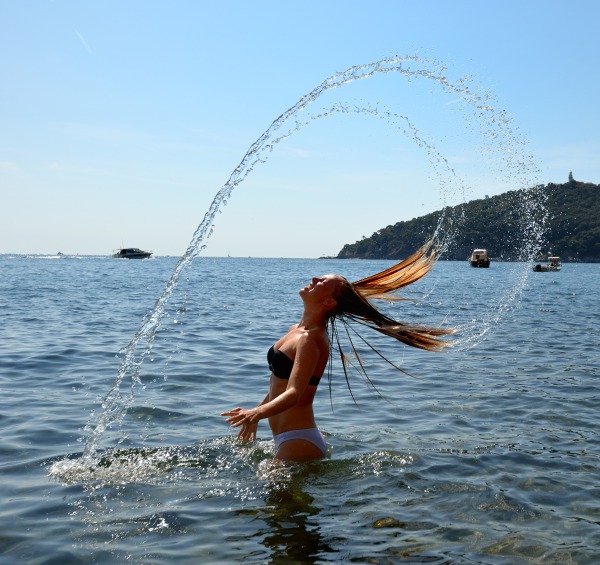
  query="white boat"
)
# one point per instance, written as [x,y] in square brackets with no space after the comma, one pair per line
[479,258]
[553,264]
[131,253]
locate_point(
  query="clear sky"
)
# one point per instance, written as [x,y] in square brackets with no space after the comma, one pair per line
[121,120]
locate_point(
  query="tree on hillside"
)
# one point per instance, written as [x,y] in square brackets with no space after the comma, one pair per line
[499,224]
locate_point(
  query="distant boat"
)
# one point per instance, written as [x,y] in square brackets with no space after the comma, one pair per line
[131,253]
[479,258]
[553,264]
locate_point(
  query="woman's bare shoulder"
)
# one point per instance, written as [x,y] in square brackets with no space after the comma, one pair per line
[311,338]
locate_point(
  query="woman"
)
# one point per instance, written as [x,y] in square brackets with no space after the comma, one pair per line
[298,359]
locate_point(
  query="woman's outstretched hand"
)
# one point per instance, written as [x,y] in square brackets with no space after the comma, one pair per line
[246,420]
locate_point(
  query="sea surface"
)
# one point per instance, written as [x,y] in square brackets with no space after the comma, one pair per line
[489,453]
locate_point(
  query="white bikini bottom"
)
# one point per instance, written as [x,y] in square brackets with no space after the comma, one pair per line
[312,435]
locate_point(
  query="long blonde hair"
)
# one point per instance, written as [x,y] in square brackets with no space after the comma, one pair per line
[353,304]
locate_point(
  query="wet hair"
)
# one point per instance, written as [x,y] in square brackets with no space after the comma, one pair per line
[353,304]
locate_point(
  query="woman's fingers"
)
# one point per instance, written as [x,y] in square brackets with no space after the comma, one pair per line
[235,416]
[239,417]
[247,433]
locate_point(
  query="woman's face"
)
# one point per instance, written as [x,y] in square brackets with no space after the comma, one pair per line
[321,289]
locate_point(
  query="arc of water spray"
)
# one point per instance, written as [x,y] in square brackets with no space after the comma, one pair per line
[114,406]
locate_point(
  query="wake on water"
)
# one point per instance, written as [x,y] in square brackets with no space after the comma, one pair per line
[500,141]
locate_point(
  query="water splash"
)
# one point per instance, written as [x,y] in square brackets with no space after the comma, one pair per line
[207,459]
[495,126]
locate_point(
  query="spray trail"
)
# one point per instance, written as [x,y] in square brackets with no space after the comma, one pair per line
[495,126]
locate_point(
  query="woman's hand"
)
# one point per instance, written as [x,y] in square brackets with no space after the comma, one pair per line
[246,420]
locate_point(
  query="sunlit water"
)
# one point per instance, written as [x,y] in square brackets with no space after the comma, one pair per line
[487,456]
[490,456]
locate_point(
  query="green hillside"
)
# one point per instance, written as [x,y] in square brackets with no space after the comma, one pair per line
[572,228]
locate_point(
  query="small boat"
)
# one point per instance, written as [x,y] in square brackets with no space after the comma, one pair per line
[479,258]
[131,253]
[553,264]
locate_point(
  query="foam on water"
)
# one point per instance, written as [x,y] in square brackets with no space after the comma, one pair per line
[143,464]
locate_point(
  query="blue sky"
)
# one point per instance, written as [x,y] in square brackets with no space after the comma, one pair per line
[120,121]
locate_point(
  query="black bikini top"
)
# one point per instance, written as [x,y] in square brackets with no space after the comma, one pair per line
[281,366]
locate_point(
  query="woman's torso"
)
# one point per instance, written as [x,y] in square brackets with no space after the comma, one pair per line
[301,415]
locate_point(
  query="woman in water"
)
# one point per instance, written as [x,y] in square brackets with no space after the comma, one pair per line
[298,359]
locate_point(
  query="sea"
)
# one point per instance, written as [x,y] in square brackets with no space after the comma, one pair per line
[487,453]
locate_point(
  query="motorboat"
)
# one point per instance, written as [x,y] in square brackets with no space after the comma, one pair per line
[131,253]
[479,258]
[552,265]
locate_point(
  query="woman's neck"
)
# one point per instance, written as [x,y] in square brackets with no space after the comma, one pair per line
[312,319]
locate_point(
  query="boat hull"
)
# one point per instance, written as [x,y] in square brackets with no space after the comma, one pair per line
[479,259]
[552,266]
[140,256]
[131,253]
